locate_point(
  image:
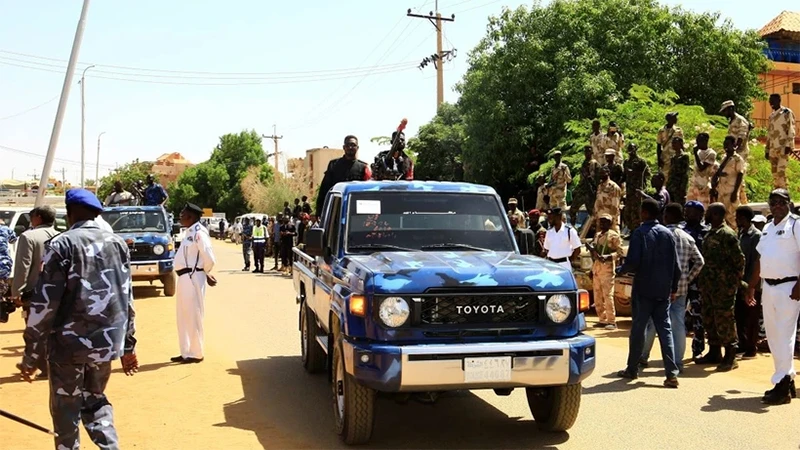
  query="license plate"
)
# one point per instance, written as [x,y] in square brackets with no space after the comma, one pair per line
[487,369]
[145,268]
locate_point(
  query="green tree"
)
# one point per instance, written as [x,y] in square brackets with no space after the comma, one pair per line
[438,146]
[127,174]
[216,183]
[539,67]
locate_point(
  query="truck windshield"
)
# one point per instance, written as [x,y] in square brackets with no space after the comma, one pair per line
[428,221]
[136,221]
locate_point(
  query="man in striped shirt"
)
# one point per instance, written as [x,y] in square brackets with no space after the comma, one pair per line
[690,260]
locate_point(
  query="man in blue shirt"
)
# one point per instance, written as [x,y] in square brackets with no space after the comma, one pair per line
[154,194]
[653,259]
[276,239]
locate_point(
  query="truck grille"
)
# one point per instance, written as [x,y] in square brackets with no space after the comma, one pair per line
[478,309]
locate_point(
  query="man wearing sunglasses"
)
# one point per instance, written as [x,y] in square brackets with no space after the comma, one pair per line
[779,267]
[346,168]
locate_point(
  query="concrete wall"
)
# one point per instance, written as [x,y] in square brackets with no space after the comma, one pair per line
[317,160]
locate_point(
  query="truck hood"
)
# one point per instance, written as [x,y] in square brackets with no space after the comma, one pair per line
[415,272]
[145,238]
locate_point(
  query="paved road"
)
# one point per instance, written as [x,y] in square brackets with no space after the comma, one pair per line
[251,392]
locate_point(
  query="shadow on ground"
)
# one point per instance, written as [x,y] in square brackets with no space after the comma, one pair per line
[286,407]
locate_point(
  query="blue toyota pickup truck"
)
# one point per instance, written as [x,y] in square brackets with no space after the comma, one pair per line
[146,230]
[418,287]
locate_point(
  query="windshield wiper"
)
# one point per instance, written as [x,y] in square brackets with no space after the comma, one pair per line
[381,247]
[454,245]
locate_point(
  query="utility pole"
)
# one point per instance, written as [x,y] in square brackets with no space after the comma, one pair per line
[62,103]
[439,57]
[83,127]
[64,179]
[275,139]
[97,164]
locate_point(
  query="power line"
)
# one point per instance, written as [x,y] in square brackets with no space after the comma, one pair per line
[477,7]
[38,155]
[223,75]
[378,70]
[30,109]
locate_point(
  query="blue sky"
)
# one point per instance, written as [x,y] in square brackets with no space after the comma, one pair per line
[144,120]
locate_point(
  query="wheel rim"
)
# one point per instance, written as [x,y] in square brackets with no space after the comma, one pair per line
[339,387]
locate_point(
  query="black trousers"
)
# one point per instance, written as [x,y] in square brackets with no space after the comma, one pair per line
[276,252]
[747,324]
[286,252]
[258,254]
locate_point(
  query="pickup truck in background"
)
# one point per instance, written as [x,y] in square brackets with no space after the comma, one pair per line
[147,231]
[418,287]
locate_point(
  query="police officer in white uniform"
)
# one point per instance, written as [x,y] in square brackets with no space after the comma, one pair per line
[193,262]
[561,240]
[779,269]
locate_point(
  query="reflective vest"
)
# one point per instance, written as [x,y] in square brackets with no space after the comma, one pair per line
[260,235]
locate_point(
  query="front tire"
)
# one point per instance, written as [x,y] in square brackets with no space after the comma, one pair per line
[353,404]
[170,284]
[555,408]
[314,358]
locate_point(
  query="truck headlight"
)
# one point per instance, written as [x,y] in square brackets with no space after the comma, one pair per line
[394,311]
[158,249]
[558,308]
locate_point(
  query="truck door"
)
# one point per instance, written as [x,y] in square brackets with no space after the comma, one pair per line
[324,281]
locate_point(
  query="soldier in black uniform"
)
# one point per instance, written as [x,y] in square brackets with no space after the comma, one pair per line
[346,168]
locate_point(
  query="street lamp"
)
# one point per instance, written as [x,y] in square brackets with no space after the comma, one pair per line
[97,165]
[83,127]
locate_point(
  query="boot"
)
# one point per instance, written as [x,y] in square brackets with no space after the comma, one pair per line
[729,361]
[792,390]
[781,394]
[714,356]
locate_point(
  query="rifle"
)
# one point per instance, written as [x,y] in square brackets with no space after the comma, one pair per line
[26,422]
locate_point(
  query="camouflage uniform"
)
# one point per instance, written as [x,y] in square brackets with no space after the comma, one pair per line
[586,191]
[700,185]
[719,280]
[560,177]
[519,215]
[739,128]
[82,312]
[637,173]
[678,180]
[615,142]
[608,198]
[616,173]
[693,295]
[541,205]
[727,183]
[603,276]
[780,135]
[664,138]
[597,142]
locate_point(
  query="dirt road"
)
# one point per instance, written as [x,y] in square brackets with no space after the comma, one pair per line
[251,391]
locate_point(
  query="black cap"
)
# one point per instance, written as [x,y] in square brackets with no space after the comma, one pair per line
[554,211]
[780,192]
[672,114]
[194,208]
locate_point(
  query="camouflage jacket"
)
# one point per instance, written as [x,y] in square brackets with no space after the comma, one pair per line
[739,128]
[616,173]
[82,307]
[637,173]
[589,176]
[679,174]
[724,260]
[781,129]
[608,198]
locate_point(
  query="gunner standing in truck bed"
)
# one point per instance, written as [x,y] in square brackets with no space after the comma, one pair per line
[346,168]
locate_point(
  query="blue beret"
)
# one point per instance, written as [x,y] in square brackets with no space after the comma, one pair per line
[694,204]
[82,197]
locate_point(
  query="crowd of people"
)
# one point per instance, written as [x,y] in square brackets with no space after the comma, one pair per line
[694,244]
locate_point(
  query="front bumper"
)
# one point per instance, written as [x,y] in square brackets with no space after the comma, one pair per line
[151,270]
[440,367]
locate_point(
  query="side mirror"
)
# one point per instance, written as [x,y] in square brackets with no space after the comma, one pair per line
[315,242]
[176,228]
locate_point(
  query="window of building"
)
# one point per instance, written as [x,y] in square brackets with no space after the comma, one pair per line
[796,88]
